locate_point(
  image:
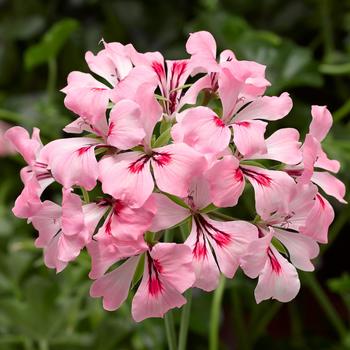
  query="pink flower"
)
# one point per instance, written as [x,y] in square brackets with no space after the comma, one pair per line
[36,176]
[273,189]
[227,240]
[195,124]
[89,98]
[167,274]
[64,231]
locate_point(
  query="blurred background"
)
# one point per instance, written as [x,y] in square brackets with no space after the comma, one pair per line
[306,47]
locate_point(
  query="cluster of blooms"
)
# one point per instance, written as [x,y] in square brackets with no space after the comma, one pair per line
[160,152]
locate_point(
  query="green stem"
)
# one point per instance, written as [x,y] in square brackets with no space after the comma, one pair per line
[185,320]
[240,329]
[170,330]
[218,215]
[11,116]
[215,315]
[327,30]
[43,344]
[342,112]
[52,78]
[326,305]
[296,327]
[85,195]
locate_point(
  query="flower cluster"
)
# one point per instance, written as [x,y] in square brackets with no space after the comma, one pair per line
[164,145]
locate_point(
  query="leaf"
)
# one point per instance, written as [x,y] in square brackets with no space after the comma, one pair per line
[51,43]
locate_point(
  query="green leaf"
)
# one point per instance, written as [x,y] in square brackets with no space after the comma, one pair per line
[51,43]
[163,139]
[139,271]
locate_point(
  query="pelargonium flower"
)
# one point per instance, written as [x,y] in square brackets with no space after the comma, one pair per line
[154,155]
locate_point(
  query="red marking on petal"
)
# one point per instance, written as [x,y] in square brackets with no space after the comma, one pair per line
[110,128]
[294,172]
[83,150]
[154,286]
[222,239]
[98,89]
[161,158]
[157,265]
[159,69]
[261,179]
[276,266]
[200,250]
[238,175]
[244,124]
[218,122]
[323,204]
[138,165]
[108,227]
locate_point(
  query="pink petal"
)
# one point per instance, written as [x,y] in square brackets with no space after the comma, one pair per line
[27,146]
[267,108]
[202,48]
[72,213]
[230,240]
[51,255]
[134,169]
[72,161]
[249,137]
[319,220]
[226,182]
[168,213]
[204,264]
[175,263]
[127,225]
[203,130]
[255,259]
[114,286]
[321,122]
[155,296]
[310,151]
[190,96]
[86,96]
[104,253]
[174,166]
[273,190]
[278,280]
[125,126]
[47,222]
[325,163]
[330,184]
[301,248]
[283,146]
[229,90]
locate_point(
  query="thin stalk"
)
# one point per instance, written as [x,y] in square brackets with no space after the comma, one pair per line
[215,315]
[326,305]
[43,344]
[327,30]
[342,112]
[218,215]
[185,320]
[11,116]
[296,327]
[170,330]
[52,78]
[240,329]
[85,195]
